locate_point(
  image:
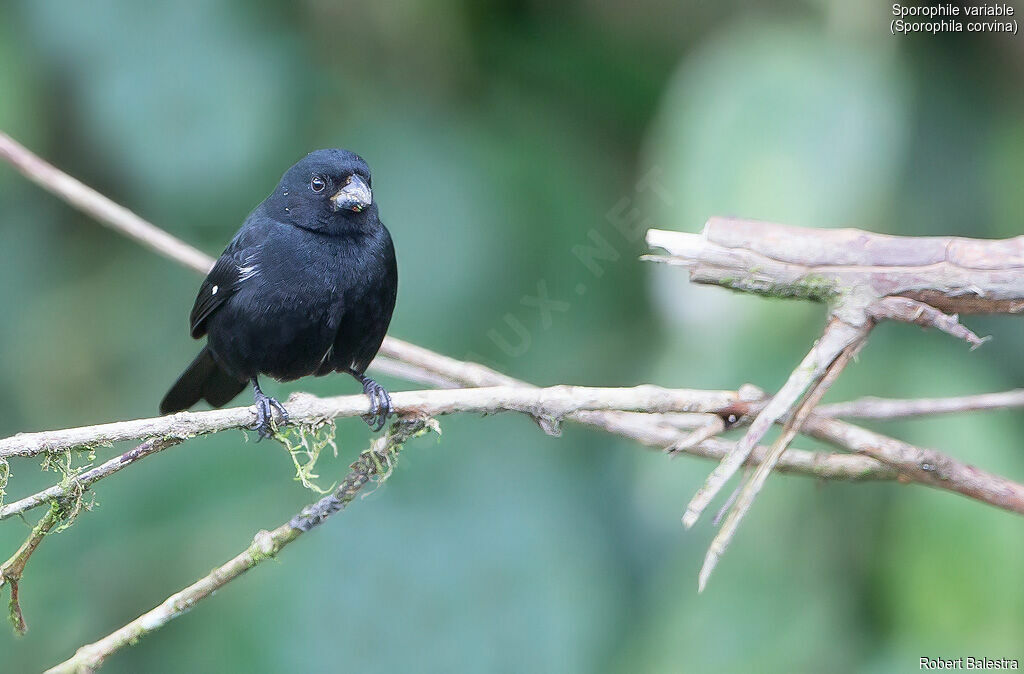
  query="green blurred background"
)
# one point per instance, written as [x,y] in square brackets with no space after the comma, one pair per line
[501,135]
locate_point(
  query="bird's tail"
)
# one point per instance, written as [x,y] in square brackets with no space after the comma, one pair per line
[202,379]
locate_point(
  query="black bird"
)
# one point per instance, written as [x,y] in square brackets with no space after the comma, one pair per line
[306,287]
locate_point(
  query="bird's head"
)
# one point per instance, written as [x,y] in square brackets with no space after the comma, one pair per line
[326,191]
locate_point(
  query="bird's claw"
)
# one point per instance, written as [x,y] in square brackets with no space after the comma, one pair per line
[264,424]
[380,404]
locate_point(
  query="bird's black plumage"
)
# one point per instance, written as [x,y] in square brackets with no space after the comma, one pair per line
[306,287]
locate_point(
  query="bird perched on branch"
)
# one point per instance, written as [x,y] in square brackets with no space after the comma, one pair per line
[306,287]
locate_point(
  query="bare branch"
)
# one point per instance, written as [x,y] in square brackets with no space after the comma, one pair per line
[408,372]
[892,408]
[906,310]
[553,403]
[709,426]
[951,274]
[746,496]
[839,336]
[660,431]
[94,204]
[647,429]
[864,278]
[912,464]
[917,464]
[464,372]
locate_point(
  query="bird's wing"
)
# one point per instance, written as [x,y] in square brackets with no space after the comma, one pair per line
[236,265]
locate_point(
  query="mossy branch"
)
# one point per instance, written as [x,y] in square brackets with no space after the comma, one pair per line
[374,464]
[12,571]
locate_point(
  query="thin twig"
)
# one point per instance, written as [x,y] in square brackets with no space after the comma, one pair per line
[752,488]
[893,408]
[12,571]
[727,506]
[102,209]
[79,483]
[907,310]
[838,336]
[918,464]
[712,425]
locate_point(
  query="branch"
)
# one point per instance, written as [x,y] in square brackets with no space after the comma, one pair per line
[907,310]
[745,498]
[863,278]
[99,207]
[951,274]
[552,403]
[13,569]
[925,466]
[838,337]
[79,483]
[913,280]
[912,464]
[373,464]
[890,408]
[794,461]
[660,431]
[164,432]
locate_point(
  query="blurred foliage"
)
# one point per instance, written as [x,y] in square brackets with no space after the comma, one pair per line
[502,135]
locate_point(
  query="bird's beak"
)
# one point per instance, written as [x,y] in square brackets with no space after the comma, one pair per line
[354,196]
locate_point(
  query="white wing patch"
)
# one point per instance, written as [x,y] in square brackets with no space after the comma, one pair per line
[327,356]
[249,269]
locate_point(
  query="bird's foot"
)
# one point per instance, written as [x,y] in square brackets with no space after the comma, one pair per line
[265,406]
[380,404]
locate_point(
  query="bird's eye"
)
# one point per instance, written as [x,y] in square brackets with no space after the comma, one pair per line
[317,184]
